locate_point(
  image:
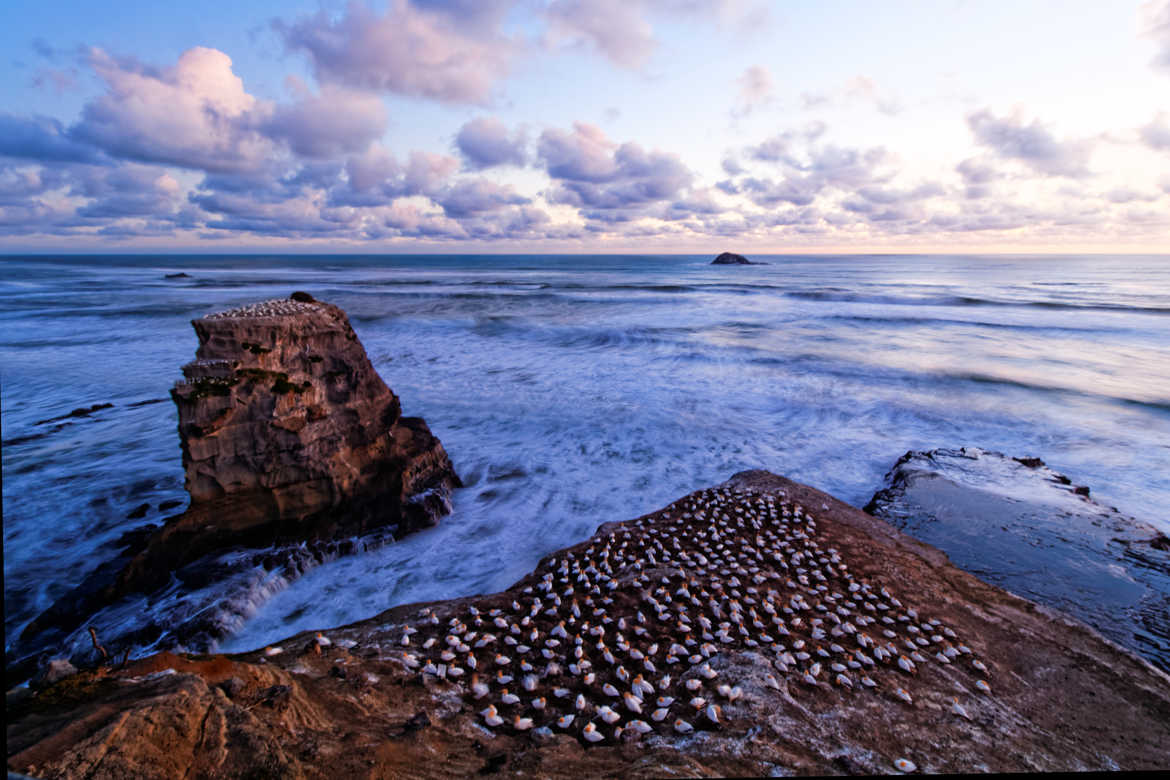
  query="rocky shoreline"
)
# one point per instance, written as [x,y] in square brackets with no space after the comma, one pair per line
[767,560]
[759,627]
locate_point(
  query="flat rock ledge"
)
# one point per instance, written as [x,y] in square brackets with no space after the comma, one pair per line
[757,628]
[1027,528]
[288,436]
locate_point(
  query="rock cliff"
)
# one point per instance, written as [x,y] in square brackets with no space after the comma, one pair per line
[283,420]
[288,435]
[758,628]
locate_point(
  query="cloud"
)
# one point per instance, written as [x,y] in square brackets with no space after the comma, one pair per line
[779,148]
[808,169]
[476,196]
[1155,23]
[582,155]
[66,198]
[1156,134]
[1130,195]
[60,80]
[23,183]
[796,190]
[590,171]
[42,139]
[449,51]
[485,143]
[331,123]
[616,28]
[864,88]
[1031,144]
[755,89]
[375,177]
[127,191]
[194,115]
[859,89]
[977,173]
[621,30]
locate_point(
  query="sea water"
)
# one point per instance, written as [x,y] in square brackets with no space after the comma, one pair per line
[571,391]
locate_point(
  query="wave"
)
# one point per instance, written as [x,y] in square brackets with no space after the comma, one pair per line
[862,318]
[845,296]
[1157,404]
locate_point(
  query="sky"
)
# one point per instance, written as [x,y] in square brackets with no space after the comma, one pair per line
[652,126]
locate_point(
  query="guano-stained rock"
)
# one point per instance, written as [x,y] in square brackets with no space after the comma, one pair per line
[288,435]
[745,595]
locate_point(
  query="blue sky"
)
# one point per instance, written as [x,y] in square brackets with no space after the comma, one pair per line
[586,126]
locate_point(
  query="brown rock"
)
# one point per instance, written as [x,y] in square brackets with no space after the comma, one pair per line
[288,434]
[1062,697]
[56,671]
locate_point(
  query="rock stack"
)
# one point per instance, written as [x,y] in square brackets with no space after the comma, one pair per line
[285,423]
[288,435]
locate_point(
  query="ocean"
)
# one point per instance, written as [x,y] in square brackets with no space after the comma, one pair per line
[571,391]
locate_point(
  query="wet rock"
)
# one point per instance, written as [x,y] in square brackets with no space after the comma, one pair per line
[55,671]
[1061,698]
[84,411]
[147,402]
[1020,525]
[138,512]
[731,258]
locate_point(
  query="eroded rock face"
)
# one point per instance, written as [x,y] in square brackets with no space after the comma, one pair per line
[288,436]
[1021,525]
[282,410]
[733,603]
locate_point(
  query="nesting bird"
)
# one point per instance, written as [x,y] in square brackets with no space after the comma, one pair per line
[717,572]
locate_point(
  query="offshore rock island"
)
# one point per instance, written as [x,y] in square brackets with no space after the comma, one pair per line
[759,627]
